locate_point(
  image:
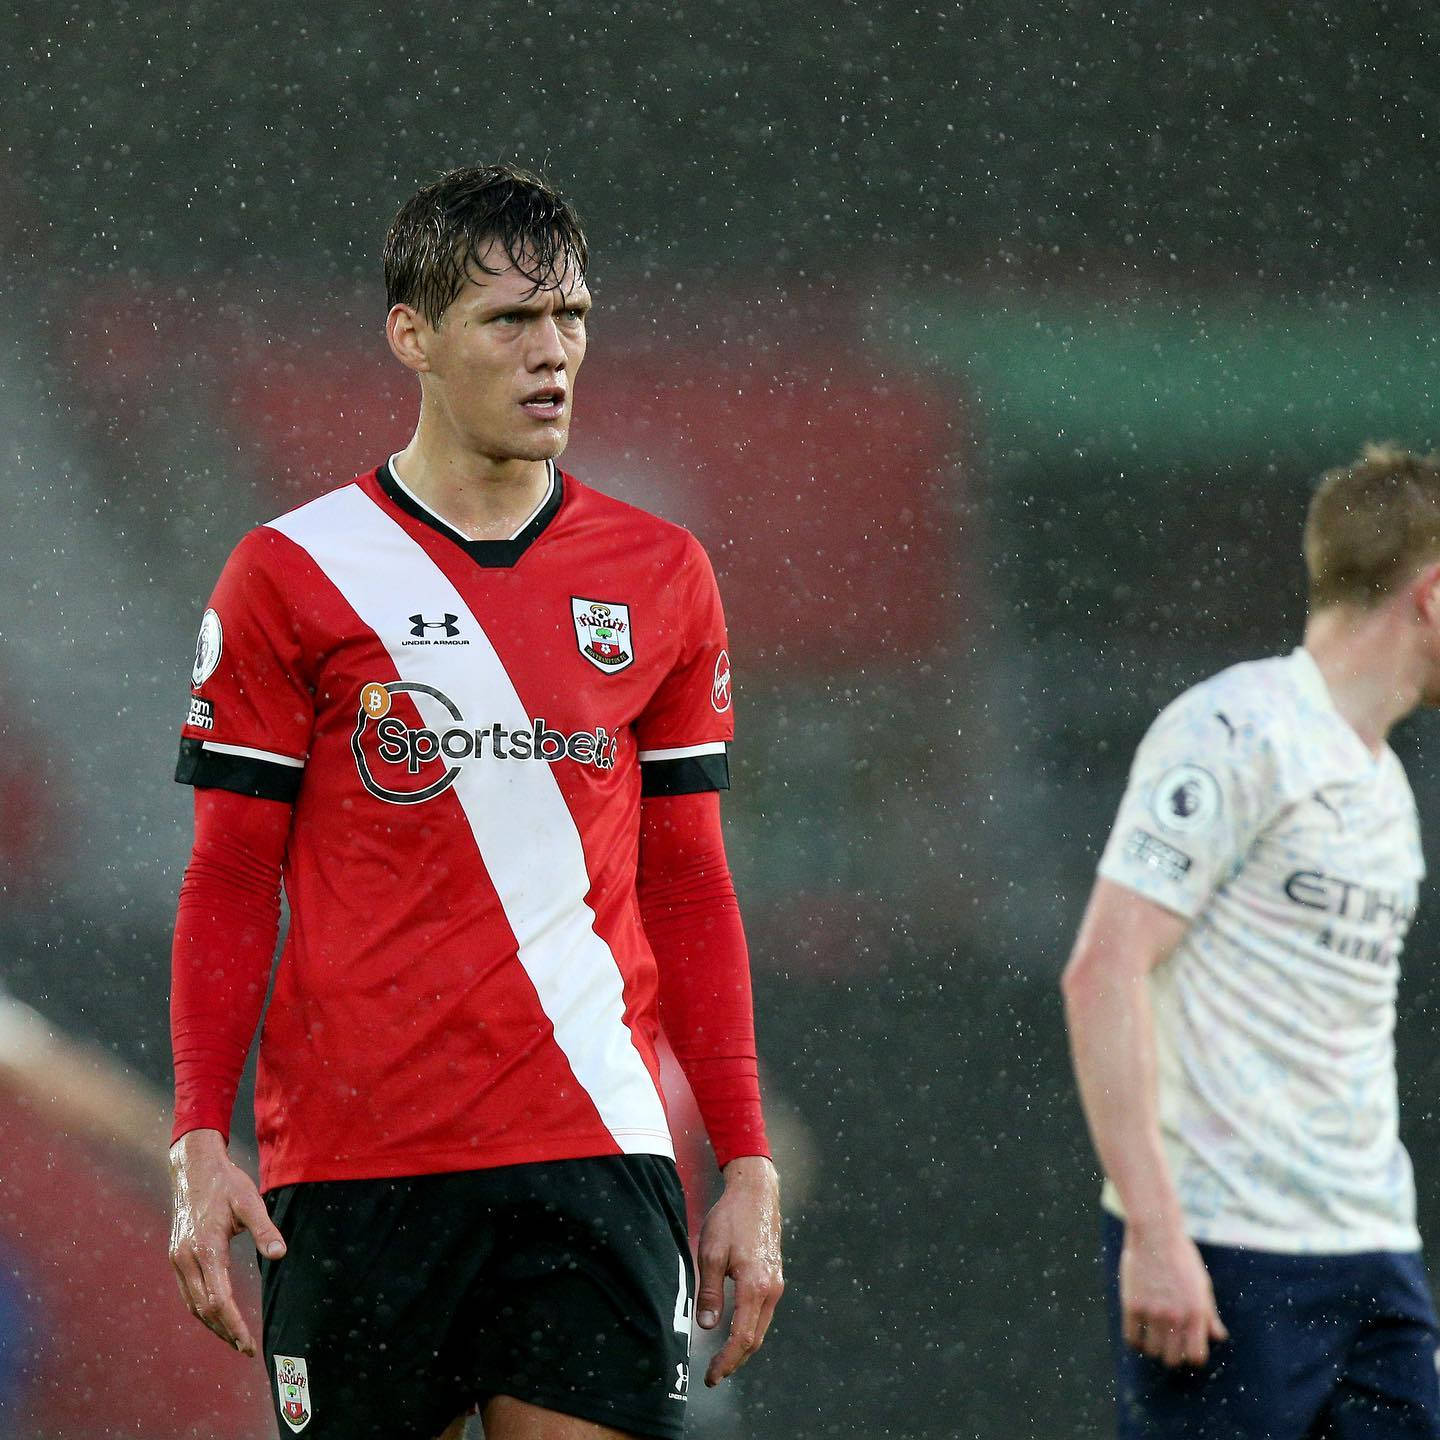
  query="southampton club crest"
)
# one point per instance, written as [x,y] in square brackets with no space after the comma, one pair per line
[602,631]
[292,1382]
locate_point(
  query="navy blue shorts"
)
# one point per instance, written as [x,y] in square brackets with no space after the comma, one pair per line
[1322,1347]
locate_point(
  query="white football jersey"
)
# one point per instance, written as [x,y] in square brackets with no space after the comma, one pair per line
[1254,810]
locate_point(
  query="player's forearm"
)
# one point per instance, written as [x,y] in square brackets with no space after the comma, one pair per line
[226,926]
[80,1089]
[692,921]
[706,1011]
[92,1093]
[1112,1043]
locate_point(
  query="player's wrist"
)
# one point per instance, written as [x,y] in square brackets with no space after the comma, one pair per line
[197,1142]
[751,1170]
[1157,1225]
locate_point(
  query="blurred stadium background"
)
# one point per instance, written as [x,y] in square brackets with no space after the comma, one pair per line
[991,351]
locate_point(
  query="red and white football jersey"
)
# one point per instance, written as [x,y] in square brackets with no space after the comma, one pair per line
[466,729]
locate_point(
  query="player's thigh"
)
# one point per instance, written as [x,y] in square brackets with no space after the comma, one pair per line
[1271,1380]
[506,1418]
[587,1313]
[358,1314]
[1402,1403]
[1389,1390]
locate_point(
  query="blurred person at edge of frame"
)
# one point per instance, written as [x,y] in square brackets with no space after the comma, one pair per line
[82,1135]
[1231,1006]
[477,715]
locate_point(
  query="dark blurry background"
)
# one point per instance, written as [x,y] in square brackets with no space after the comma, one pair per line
[992,355]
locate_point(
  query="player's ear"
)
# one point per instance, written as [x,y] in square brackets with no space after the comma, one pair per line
[1426,589]
[408,331]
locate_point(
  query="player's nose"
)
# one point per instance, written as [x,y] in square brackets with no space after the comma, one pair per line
[547,350]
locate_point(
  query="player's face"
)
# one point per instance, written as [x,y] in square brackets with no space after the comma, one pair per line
[502,363]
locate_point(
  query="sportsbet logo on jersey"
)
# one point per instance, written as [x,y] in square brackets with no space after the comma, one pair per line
[384,741]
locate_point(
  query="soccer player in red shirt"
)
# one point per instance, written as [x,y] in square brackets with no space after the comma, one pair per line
[476,715]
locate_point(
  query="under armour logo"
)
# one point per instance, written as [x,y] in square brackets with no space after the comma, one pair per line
[682,1379]
[419,625]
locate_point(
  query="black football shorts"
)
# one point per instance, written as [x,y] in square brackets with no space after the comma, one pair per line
[403,1303]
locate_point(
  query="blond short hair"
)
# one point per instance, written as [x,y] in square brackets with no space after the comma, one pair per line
[1372,526]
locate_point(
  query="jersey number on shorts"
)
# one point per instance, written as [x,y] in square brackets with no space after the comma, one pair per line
[684,1306]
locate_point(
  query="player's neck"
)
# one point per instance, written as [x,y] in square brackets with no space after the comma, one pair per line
[481,497]
[1369,667]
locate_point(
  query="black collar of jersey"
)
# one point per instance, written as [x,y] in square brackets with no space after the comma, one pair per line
[493,554]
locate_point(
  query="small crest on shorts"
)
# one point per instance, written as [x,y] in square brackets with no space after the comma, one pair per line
[602,631]
[292,1384]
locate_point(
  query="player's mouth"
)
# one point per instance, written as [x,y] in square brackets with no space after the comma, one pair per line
[547,403]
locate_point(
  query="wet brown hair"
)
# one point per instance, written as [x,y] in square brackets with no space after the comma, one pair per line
[1371,526]
[441,235]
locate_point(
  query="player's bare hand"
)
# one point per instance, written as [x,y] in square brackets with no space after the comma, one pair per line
[741,1240]
[214,1201]
[1167,1303]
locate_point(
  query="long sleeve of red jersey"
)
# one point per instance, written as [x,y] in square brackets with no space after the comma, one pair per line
[226,925]
[692,920]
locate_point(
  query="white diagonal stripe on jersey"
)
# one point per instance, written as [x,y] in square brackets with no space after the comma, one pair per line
[537,867]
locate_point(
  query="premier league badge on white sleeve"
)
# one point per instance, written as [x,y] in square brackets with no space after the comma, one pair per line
[602,631]
[292,1382]
[1186,799]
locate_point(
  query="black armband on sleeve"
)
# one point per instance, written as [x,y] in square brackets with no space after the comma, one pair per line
[688,775]
[244,774]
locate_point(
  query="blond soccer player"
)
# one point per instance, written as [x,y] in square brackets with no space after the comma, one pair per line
[1231,1005]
